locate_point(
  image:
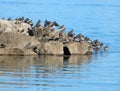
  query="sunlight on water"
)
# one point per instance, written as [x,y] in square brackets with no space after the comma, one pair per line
[97,19]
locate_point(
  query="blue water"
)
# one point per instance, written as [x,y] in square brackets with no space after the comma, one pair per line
[97,19]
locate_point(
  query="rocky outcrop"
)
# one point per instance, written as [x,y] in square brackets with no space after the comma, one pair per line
[51,48]
[76,48]
[16,51]
[14,25]
[20,37]
[16,43]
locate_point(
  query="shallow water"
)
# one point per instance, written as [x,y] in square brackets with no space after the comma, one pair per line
[95,19]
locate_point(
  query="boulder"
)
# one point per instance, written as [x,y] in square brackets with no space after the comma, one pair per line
[29,52]
[11,51]
[10,26]
[76,48]
[18,37]
[51,48]
[54,34]
[41,31]
[22,28]
[16,52]
[16,44]
[14,39]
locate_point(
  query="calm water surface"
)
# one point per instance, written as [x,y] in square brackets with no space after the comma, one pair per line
[97,19]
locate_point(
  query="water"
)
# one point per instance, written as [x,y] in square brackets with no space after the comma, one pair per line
[97,19]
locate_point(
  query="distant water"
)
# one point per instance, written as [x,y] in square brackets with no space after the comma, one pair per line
[97,19]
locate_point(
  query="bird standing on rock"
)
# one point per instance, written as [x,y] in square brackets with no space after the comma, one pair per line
[71,33]
[79,38]
[38,24]
[9,19]
[62,28]
[21,19]
[53,24]
[28,21]
[47,23]
[56,24]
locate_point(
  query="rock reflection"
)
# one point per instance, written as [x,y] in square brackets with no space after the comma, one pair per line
[78,59]
[39,66]
[24,71]
[14,62]
[25,62]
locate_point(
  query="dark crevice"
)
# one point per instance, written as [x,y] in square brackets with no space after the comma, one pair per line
[66,51]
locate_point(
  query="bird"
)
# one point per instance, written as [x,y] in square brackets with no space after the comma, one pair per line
[47,23]
[38,24]
[3,18]
[30,22]
[76,38]
[95,43]
[21,19]
[62,28]
[79,38]
[101,45]
[86,39]
[105,48]
[9,19]
[71,33]
[56,24]
[26,20]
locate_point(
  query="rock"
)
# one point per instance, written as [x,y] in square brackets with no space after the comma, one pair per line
[29,52]
[51,48]
[17,44]
[1,30]
[41,32]
[11,51]
[19,37]
[2,45]
[54,34]
[63,37]
[76,48]
[22,28]
[14,39]
[16,52]
[11,25]
[34,42]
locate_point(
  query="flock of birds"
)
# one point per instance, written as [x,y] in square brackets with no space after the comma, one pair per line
[95,44]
